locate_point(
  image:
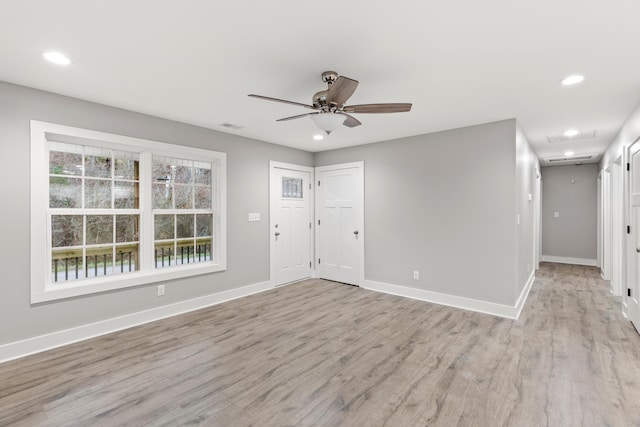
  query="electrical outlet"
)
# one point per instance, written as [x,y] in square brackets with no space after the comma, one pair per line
[416,275]
[160,290]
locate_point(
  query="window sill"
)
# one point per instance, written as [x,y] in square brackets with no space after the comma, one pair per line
[60,291]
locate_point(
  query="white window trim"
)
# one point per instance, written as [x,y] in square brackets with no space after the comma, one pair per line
[41,288]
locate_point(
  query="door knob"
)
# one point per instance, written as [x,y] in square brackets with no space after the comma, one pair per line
[638,250]
[356,233]
[277,234]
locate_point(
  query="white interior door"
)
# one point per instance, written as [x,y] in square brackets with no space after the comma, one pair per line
[290,222]
[633,295]
[340,222]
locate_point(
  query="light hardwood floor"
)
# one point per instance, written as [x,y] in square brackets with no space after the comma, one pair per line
[319,353]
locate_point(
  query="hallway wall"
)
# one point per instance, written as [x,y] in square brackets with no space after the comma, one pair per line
[447,204]
[572,192]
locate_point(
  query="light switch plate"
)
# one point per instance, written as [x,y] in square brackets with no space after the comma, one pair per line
[254,217]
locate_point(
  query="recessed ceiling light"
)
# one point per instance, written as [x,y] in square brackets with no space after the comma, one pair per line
[571,133]
[56,58]
[572,80]
[318,137]
[569,153]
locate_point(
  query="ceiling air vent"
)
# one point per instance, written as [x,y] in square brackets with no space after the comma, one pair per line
[569,159]
[585,134]
[231,126]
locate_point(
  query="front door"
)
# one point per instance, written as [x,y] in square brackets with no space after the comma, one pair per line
[633,300]
[340,222]
[290,222]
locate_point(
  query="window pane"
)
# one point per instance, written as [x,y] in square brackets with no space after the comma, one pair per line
[126,259]
[97,194]
[127,228]
[66,265]
[203,197]
[66,230]
[65,192]
[163,227]
[184,196]
[161,170]
[97,166]
[162,196]
[126,169]
[202,176]
[99,261]
[125,195]
[292,188]
[99,229]
[204,225]
[61,163]
[184,226]
[203,249]
[183,174]
[164,255]
[184,252]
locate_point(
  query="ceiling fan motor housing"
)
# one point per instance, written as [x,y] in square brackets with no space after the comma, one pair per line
[320,98]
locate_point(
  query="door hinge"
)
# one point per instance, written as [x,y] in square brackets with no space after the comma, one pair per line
[309,226]
[318,260]
[628,292]
[309,264]
[628,229]
[318,183]
[628,166]
[318,222]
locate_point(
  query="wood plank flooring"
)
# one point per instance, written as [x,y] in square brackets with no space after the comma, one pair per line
[320,353]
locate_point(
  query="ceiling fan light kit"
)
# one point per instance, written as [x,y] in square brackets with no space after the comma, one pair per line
[331,113]
[328,122]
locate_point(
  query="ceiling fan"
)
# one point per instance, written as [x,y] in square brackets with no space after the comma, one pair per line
[331,113]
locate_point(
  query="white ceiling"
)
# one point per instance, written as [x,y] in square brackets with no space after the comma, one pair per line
[459,62]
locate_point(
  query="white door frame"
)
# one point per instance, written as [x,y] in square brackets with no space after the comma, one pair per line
[272,248]
[360,216]
[606,223]
[617,226]
[627,243]
[599,227]
[537,219]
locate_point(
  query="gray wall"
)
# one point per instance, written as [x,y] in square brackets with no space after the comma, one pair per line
[445,204]
[573,233]
[248,191]
[526,166]
[629,132]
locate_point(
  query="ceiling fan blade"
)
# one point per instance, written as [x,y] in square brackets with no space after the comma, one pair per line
[377,108]
[268,98]
[341,90]
[299,116]
[351,121]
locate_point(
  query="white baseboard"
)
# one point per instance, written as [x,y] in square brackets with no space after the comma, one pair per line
[41,343]
[568,260]
[501,310]
[522,299]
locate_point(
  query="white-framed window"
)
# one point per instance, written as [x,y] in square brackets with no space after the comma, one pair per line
[110,211]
